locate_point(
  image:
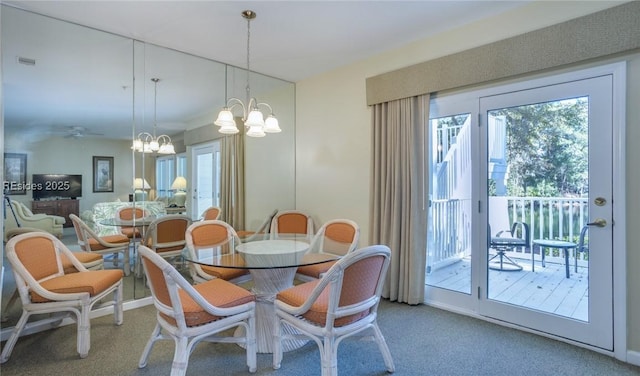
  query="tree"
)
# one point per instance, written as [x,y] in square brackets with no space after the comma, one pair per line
[547,147]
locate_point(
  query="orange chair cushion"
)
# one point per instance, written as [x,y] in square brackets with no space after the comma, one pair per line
[130,232]
[83,257]
[224,273]
[93,282]
[219,293]
[114,239]
[315,270]
[317,314]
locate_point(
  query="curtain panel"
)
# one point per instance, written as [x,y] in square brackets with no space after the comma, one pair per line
[398,199]
[232,185]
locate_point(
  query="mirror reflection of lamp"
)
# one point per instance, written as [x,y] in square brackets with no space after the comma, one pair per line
[180,186]
[140,186]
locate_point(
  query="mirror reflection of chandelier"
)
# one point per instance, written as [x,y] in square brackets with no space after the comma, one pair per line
[149,143]
[254,121]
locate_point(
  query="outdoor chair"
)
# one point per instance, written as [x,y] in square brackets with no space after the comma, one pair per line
[343,303]
[583,245]
[44,287]
[507,240]
[335,238]
[191,314]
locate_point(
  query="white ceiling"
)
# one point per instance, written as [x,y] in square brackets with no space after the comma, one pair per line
[291,40]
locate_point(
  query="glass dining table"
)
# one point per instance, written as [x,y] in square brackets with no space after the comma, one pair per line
[272,264]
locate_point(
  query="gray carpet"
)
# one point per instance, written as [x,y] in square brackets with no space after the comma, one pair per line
[423,341]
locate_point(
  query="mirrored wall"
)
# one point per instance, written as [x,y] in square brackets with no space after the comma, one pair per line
[75,98]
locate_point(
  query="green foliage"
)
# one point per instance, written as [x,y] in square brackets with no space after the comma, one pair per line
[547,148]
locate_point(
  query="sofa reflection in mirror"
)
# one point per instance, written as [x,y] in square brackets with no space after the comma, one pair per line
[18,215]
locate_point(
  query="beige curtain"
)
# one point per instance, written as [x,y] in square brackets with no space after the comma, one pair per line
[232,180]
[399,193]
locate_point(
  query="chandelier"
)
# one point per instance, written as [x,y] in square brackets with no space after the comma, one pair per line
[254,121]
[149,143]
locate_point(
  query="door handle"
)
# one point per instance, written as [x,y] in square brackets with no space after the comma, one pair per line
[598,223]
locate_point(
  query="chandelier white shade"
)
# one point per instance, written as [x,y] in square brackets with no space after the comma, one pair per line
[149,143]
[252,117]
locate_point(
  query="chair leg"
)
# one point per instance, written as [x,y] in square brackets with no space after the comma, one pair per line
[118,314]
[155,335]
[329,357]
[384,349]
[250,334]
[10,303]
[11,342]
[180,356]
[277,344]
[84,331]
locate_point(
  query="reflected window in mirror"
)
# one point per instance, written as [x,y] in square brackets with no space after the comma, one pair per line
[165,175]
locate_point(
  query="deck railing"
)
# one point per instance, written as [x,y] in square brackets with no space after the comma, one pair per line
[449,237]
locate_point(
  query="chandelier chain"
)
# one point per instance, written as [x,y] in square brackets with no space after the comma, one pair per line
[248,57]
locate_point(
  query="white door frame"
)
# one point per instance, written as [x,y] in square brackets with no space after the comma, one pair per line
[467,304]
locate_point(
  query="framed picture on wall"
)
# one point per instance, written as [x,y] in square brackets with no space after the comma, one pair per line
[102,174]
[15,174]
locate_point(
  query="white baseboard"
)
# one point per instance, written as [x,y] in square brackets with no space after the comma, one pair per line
[42,325]
[633,357]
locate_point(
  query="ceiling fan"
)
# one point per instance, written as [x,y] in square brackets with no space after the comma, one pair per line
[76,132]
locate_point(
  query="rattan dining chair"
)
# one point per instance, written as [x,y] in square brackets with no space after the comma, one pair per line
[112,245]
[131,213]
[335,238]
[212,212]
[90,260]
[343,303]
[219,237]
[288,222]
[44,287]
[190,314]
[166,236]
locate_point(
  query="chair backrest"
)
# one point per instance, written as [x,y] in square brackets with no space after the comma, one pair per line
[337,236]
[167,232]
[354,285]
[34,257]
[83,232]
[292,222]
[211,213]
[583,242]
[166,282]
[212,234]
[129,213]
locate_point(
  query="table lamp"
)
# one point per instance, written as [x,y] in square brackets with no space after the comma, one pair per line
[180,186]
[140,185]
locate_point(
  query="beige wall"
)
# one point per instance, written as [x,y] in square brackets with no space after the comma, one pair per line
[333,138]
[59,155]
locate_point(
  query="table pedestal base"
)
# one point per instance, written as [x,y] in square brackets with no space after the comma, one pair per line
[267,283]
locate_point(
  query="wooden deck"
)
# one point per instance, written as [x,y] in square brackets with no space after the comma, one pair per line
[547,289]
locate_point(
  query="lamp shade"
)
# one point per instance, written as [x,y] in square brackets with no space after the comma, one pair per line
[271,125]
[140,183]
[179,184]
